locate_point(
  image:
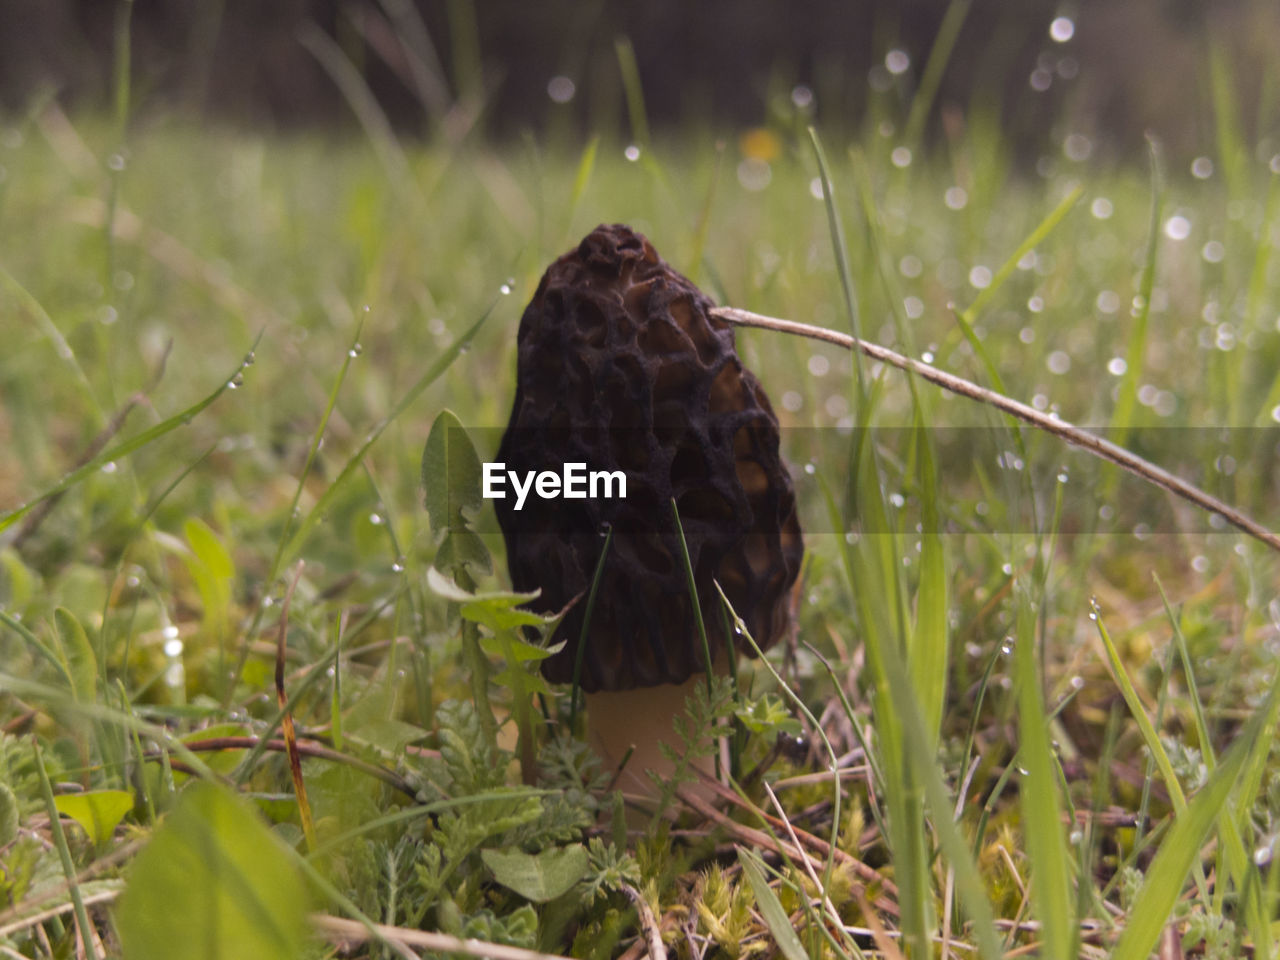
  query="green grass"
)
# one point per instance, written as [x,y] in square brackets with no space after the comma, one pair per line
[142,609]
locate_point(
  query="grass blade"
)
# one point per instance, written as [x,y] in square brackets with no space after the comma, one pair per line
[1181,847]
[775,915]
[126,447]
[441,364]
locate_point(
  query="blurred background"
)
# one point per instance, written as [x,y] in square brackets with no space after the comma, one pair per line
[1110,70]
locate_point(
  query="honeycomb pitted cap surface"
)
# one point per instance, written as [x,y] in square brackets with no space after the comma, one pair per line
[621,367]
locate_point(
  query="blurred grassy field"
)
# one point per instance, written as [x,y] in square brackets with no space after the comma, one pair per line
[154,270]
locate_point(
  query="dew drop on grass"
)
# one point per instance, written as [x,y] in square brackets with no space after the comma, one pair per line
[1177,228]
[376,519]
[1101,208]
[249,359]
[109,467]
[398,566]
[1117,366]
[1007,569]
[1200,563]
[1213,251]
[1202,168]
[561,89]
[632,153]
[1063,477]
[955,198]
[1077,682]
[1062,29]
[1275,413]
[901,157]
[897,61]
[1075,836]
[355,350]
[815,188]
[236,382]
[810,469]
[1262,856]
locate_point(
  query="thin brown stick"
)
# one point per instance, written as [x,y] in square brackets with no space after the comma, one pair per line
[648,923]
[306,748]
[338,930]
[1074,435]
[758,839]
[286,721]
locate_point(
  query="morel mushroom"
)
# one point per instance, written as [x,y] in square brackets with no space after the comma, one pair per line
[621,367]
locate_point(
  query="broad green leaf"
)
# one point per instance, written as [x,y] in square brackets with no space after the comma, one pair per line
[775,915]
[450,474]
[77,652]
[213,884]
[515,650]
[500,613]
[209,549]
[99,812]
[460,547]
[443,586]
[539,877]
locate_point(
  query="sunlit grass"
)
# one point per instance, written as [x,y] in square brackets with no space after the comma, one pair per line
[967,584]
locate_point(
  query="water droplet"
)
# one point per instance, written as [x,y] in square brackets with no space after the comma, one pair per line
[109,467]
[1035,304]
[1077,682]
[1006,648]
[980,277]
[170,632]
[1007,569]
[815,188]
[398,566]
[250,359]
[1200,563]
[897,500]
[1077,147]
[1262,856]
[173,648]
[1108,301]
[1062,29]
[901,157]
[802,96]
[1023,772]
[1177,228]
[115,162]
[632,153]
[897,61]
[810,469]
[1058,362]
[913,307]
[1101,208]
[376,519]
[1213,252]
[1075,836]
[1202,168]
[355,351]
[1063,476]
[927,356]
[1117,366]
[1275,413]
[561,89]
[955,198]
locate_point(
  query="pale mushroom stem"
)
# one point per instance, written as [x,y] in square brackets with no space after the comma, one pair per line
[637,721]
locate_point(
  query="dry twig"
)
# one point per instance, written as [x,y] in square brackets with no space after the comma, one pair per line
[1074,435]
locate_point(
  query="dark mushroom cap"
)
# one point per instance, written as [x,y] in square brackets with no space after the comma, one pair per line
[621,367]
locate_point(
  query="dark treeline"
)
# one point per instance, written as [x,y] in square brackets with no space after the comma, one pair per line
[1127,67]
